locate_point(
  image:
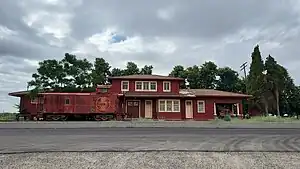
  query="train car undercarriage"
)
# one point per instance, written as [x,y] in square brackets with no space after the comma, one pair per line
[79,116]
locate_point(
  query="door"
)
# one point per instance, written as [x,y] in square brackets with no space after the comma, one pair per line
[148,108]
[133,109]
[188,109]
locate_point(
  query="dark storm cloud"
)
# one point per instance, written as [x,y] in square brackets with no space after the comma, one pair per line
[203,19]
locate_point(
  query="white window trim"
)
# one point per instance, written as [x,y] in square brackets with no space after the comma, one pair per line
[169,86]
[143,86]
[124,90]
[165,100]
[200,101]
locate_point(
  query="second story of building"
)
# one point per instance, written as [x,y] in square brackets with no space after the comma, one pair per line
[146,83]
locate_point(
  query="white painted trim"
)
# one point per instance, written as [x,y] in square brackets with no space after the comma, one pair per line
[238,108]
[143,86]
[202,101]
[192,108]
[164,86]
[124,90]
[215,109]
[151,109]
[166,105]
[126,102]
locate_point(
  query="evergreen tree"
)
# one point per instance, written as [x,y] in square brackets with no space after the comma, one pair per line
[255,80]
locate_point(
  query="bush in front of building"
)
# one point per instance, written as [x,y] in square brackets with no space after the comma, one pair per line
[227,117]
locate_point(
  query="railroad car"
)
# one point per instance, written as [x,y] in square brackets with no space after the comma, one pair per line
[100,105]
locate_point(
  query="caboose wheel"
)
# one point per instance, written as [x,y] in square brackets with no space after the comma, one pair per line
[63,117]
[105,118]
[98,117]
[56,117]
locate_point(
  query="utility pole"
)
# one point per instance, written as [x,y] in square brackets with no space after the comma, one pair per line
[243,68]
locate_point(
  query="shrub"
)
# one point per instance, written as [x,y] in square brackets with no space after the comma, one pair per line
[227,117]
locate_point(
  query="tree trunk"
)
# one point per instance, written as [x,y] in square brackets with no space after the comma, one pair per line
[266,106]
[277,101]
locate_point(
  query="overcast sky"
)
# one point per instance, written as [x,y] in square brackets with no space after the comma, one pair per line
[163,33]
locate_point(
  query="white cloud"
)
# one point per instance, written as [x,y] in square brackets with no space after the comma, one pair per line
[56,24]
[6,32]
[134,44]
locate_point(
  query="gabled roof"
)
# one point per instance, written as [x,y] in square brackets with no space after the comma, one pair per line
[212,93]
[146,77]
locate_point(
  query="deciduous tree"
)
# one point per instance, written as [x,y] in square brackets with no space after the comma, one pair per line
[147,70]
[131,69]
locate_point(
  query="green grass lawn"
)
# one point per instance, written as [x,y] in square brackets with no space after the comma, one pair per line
[7,116]
[267,119]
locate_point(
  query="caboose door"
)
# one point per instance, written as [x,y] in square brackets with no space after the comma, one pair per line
[133,108]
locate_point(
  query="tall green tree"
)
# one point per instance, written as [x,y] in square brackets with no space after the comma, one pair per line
[131,69]
[77,71]
[255,80]
[192,74]
[100,72]
[50,74]
[147,70]
[207,75]
[228,80]
[293,101]
[179,71]
[274,79]
[117,72]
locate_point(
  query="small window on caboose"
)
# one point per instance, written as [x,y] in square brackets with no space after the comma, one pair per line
[104,90]
[67,100]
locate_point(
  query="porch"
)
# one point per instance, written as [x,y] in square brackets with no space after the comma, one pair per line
[172,109]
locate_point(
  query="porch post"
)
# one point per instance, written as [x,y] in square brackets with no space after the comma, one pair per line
[238,109]
[215,109]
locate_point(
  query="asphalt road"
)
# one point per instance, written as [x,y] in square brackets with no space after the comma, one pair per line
[148,139]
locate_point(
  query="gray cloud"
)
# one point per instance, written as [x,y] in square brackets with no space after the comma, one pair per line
[162,33]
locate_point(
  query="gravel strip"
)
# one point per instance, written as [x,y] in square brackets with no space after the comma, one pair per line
[145,160]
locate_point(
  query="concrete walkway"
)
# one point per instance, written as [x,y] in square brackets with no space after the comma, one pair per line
[129,124]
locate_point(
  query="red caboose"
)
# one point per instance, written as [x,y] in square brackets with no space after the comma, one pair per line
[100,105]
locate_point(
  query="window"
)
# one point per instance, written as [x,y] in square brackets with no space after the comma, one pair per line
[125,86]
[34,100]
[162,105]
[153,86]
[104,90]
[176,105]
[201,106]
[166,86]
[67,101]
[169,106]
[145,86]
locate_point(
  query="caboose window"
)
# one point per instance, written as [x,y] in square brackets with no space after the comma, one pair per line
[104,90]
[67,101]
